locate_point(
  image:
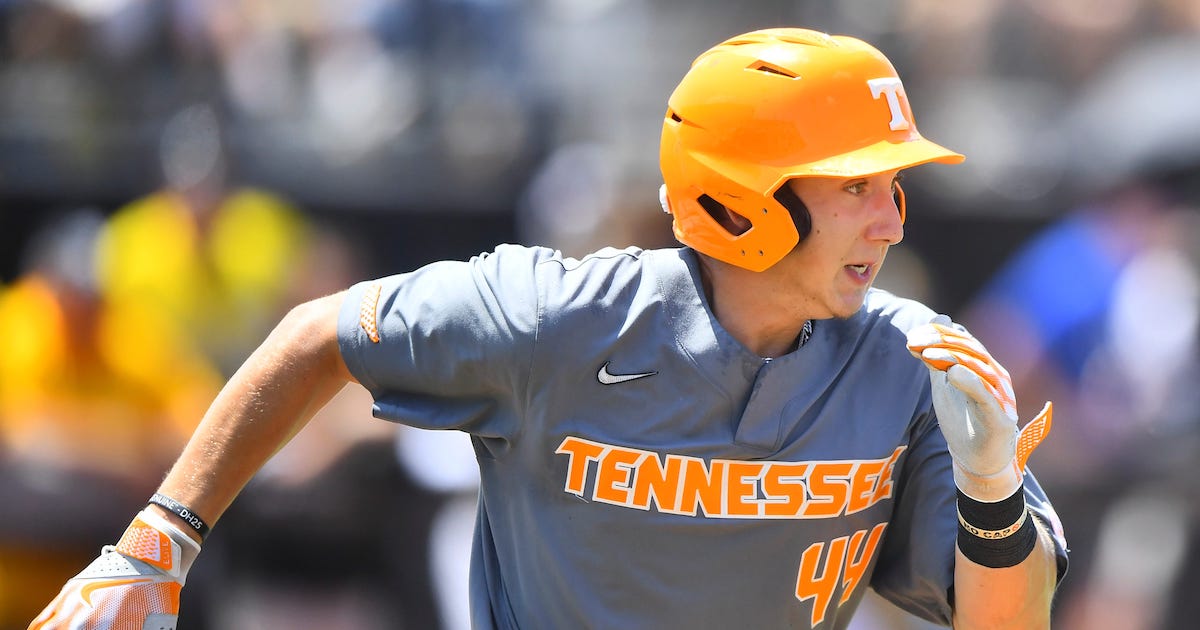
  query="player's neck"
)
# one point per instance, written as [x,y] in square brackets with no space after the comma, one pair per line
[748,309]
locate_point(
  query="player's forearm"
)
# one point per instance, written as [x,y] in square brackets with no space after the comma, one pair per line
[275,392]
[1016,598]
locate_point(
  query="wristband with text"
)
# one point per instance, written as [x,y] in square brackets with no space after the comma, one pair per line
[996,535]
[178,509]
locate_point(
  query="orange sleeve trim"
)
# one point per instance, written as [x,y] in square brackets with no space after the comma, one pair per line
[368,311]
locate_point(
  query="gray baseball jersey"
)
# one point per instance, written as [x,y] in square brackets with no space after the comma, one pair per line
[640,468]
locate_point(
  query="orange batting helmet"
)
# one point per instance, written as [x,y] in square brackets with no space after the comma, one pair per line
[761,108]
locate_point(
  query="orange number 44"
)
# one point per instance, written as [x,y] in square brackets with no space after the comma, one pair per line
[844,566]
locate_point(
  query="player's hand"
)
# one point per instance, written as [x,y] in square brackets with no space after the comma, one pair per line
[133,585]
[977,410]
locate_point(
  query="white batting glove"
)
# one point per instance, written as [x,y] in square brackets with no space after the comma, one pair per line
[133,585]
[977,411]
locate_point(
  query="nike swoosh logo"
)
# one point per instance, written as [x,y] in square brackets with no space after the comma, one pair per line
[607,378]
[87,590]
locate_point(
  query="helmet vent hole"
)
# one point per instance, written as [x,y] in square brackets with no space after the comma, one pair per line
[674,116]
[770,68]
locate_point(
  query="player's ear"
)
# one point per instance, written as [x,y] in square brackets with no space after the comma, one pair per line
[733,222]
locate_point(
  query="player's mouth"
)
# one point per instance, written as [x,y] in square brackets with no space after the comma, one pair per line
[860,273]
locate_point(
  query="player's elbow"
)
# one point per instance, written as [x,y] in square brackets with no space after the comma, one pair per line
[308,332]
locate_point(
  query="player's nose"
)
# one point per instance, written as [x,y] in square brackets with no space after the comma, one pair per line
[886,221]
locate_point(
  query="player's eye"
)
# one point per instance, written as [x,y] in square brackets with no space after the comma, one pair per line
[855,188]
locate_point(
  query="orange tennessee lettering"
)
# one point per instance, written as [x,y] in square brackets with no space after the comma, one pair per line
[783,485]
[829,489]
[740,489]
[862,485]
[654,478]
[580,452]
[679,484]
[702,487]
[612,479]
[883,489]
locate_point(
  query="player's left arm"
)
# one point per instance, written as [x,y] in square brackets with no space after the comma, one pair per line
[136,584]
[1005,569]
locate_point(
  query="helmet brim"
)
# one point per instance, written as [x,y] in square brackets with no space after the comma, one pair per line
[880,157]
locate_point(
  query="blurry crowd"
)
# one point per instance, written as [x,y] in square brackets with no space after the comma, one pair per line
[176,174]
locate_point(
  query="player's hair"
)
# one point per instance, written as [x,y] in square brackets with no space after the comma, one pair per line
[764,107]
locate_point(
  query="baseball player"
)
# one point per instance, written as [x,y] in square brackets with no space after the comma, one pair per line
[737,433]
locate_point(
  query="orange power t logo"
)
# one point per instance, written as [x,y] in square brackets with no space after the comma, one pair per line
[891,89]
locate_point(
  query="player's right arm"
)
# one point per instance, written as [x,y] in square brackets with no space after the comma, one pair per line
[296,370]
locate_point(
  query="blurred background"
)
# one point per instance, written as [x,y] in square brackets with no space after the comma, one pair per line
[175,174]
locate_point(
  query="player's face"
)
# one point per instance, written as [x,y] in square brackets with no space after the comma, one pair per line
[854,222]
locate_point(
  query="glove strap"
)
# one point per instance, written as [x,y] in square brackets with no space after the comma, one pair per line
[152,539]
[996,535]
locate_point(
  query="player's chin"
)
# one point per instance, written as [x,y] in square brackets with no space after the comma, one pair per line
[849,303]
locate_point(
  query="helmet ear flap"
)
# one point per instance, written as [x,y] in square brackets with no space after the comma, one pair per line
[795,207]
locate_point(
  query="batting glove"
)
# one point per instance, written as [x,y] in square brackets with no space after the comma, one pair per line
[133,585]
[977,411]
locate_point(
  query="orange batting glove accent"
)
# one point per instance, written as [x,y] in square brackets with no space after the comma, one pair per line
[977,410]
[961,348]
[133,585]
[1032,435]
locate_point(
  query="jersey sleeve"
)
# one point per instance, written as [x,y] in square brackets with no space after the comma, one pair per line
[916,563]
[447,346]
